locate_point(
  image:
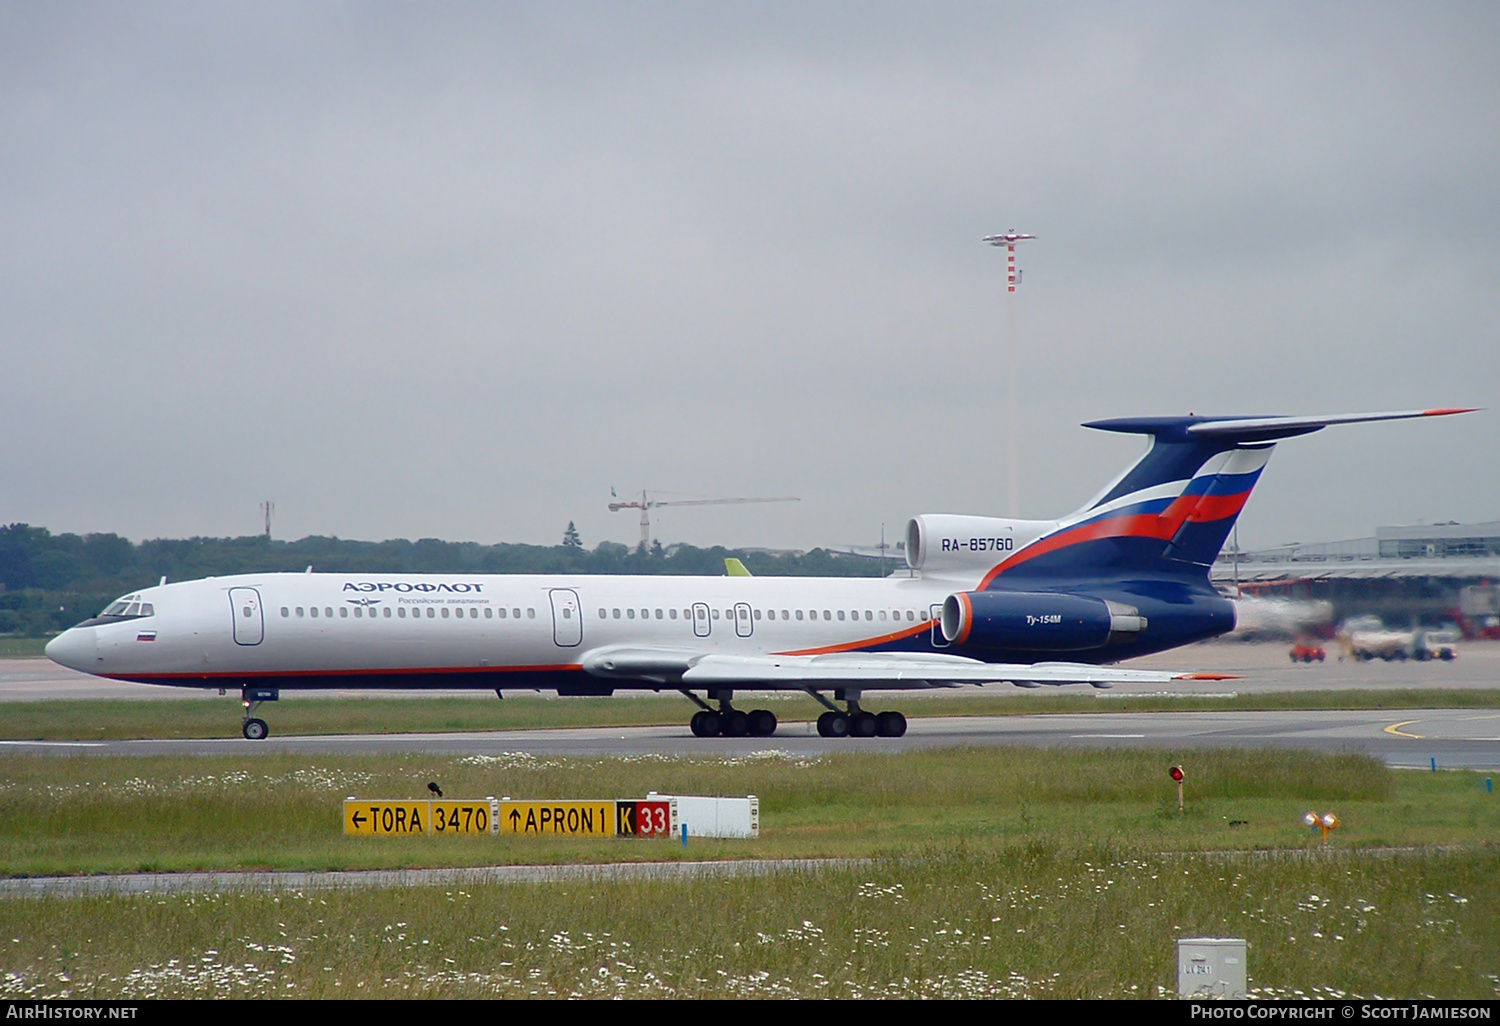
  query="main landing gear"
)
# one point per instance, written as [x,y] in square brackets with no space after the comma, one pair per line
[727,721]
[856,722]
[254,728]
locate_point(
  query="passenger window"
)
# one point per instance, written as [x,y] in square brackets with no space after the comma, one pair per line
[716,614]
[799,614]
[630,613]
[300,613]
[473,612]
[924,616]
[785,615]
[829,616]
[430,613]
[757,614]
[328,611]
[344,612]
[445,612]
[658,614]
[387,612]
[617,614]
[530,613]
[358,612]
[567,613]
[401,612]
[882,614]
[841,614]
[603,615]
[645,614]
[489,614]
[673,613]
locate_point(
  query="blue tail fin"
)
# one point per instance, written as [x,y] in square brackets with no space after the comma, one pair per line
[1172,511]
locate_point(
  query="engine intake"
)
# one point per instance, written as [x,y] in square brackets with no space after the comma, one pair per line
[1037,621]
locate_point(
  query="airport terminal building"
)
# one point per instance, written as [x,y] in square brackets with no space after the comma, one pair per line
[1426,574]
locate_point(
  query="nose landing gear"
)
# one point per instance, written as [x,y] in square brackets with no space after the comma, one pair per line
[254,728]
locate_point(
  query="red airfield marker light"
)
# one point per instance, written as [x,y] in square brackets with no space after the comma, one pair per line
[1176,774]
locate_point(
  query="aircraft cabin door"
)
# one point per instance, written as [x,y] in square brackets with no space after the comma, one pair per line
[249,621]
[938,641]
[742,621]
[701,624]
[567,618]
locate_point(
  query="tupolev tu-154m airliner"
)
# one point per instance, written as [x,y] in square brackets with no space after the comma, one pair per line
[984,600]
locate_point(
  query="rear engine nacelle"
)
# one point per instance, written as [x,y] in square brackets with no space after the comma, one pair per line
[1036,621]
[944,541]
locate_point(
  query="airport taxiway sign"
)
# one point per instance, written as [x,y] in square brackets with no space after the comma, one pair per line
[558,819]
[386,819]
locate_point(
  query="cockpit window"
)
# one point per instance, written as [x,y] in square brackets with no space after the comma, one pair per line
[130,607]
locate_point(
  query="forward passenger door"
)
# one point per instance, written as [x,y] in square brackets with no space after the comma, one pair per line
[567,618]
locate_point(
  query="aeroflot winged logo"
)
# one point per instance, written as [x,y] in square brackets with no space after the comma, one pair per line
[421,586]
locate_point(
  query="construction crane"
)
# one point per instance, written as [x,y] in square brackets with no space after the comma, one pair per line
[646,505]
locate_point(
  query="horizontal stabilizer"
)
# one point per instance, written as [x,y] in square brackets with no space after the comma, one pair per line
[1281,427]
[1249,430]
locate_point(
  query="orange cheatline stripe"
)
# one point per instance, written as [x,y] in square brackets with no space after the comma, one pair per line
[852,646]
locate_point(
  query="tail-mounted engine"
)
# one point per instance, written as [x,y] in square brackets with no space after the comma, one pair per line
[1037,621]
[938,542]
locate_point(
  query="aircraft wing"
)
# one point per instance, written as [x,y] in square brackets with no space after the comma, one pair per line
[869,669]
[896,670]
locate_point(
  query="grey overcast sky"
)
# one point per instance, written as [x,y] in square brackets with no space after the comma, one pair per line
[453,270]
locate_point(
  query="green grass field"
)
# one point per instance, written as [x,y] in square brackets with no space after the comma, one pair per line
[282,811]
[302,715]
[995,872]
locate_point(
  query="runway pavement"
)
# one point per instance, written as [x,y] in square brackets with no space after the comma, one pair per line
[1456,738]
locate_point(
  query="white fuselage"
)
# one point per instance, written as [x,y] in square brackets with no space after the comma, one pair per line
[331,626]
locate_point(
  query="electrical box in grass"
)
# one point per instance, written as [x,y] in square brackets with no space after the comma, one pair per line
[1211,967]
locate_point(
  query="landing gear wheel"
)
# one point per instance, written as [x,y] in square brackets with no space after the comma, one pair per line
[704,724]
[255,730]
[762,723]
[890,724]
[862,724]
[735,724]
[833,724]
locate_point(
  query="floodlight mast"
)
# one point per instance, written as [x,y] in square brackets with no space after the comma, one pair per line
[646,505]
[1009,239]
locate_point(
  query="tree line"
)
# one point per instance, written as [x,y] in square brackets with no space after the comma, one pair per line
[49,582]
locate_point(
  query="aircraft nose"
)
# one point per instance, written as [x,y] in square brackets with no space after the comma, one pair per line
[73,648]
